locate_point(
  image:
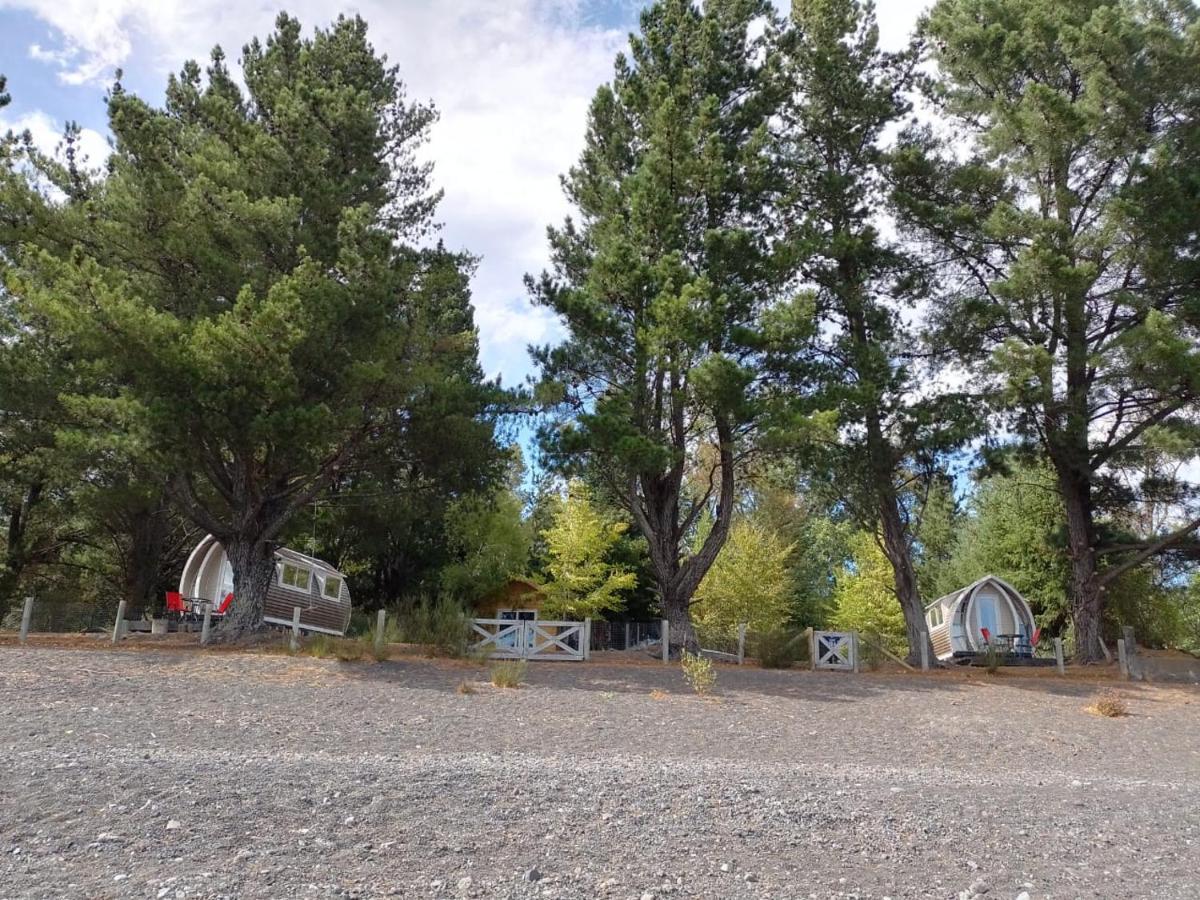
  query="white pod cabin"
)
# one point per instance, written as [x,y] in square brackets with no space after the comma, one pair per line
[989,612]
[307,582]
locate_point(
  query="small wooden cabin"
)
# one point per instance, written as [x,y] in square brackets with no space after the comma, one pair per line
[313,585]
[518,599]
[957,622]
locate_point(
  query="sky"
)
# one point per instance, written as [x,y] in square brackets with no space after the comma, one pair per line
[511,79]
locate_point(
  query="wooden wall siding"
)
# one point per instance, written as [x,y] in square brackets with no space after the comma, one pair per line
[315,611]
[939,636]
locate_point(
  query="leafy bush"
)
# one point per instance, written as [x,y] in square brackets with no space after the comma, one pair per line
[1110,704]
[509,673]
[441,625]
[699,672]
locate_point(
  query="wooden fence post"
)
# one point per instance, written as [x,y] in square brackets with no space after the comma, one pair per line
[626,647]
[120,621]
[207,626]
[380,625]
[1058,656]
[295,643]
[26,618]
[587,639]
[1123,658]
[925,656]
[741,643]
[812,648]
[854,649]
[666,640]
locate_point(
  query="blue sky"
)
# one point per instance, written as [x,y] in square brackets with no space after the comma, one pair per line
[512,80]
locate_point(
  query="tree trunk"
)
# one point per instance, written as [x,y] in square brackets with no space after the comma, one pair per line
[148,539]
[677,612]
[904,573]
[16,556]
[1084,590]
[253,562]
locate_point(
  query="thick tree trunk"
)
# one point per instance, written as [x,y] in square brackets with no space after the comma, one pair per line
[896,548]
[1084,589]
[253,562]
[677,612]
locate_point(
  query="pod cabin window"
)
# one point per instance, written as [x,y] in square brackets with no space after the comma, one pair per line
[332,589]
[295,577]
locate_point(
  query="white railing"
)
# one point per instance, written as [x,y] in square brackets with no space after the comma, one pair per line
[530,639]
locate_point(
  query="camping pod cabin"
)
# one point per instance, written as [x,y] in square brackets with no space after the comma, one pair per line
[313,585]
[989,612]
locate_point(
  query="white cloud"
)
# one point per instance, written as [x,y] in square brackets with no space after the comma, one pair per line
[47,134]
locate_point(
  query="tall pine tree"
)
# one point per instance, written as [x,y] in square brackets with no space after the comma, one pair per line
[661,281]
[1071,240]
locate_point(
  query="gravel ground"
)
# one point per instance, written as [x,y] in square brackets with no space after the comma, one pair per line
[188,775]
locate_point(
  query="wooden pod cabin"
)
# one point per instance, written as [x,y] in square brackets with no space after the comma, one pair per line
[313,585]
[959,621]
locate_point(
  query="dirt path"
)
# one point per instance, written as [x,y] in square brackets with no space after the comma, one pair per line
[221,775]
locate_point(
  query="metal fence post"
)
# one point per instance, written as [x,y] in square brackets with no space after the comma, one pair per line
[666,640]
[26,618]
[120,619]
[741,643]
[380,624]
[295,643]
[1058,656]
[207,625]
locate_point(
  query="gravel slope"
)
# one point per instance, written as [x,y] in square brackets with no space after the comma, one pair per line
[178,774]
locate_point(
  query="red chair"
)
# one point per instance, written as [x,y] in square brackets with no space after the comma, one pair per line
[175,602]
[224,607]
[987,635]
[1033,641]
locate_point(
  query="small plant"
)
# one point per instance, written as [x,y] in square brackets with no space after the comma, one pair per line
[319,645]
[1110,704]
[699,672]
[509,673]
[465,687]
[991,659]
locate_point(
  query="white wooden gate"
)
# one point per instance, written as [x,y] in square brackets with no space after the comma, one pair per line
[835,650]
[531,639]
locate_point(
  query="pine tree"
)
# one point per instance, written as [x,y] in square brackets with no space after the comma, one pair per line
[661,281]
[891,424]
[1071,242]
[244,281]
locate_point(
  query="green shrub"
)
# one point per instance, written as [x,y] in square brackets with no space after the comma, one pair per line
[509,673]
[392,634]
[869,645]
[699,672]
[441,625]
[319,645]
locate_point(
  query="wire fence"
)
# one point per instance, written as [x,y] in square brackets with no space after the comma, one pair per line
[626,635]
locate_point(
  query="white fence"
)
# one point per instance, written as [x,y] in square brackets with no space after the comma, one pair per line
[530,639]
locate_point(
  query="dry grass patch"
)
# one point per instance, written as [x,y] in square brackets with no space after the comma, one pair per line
[465,687]
[508,674]
[1110,705]
[656,694]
